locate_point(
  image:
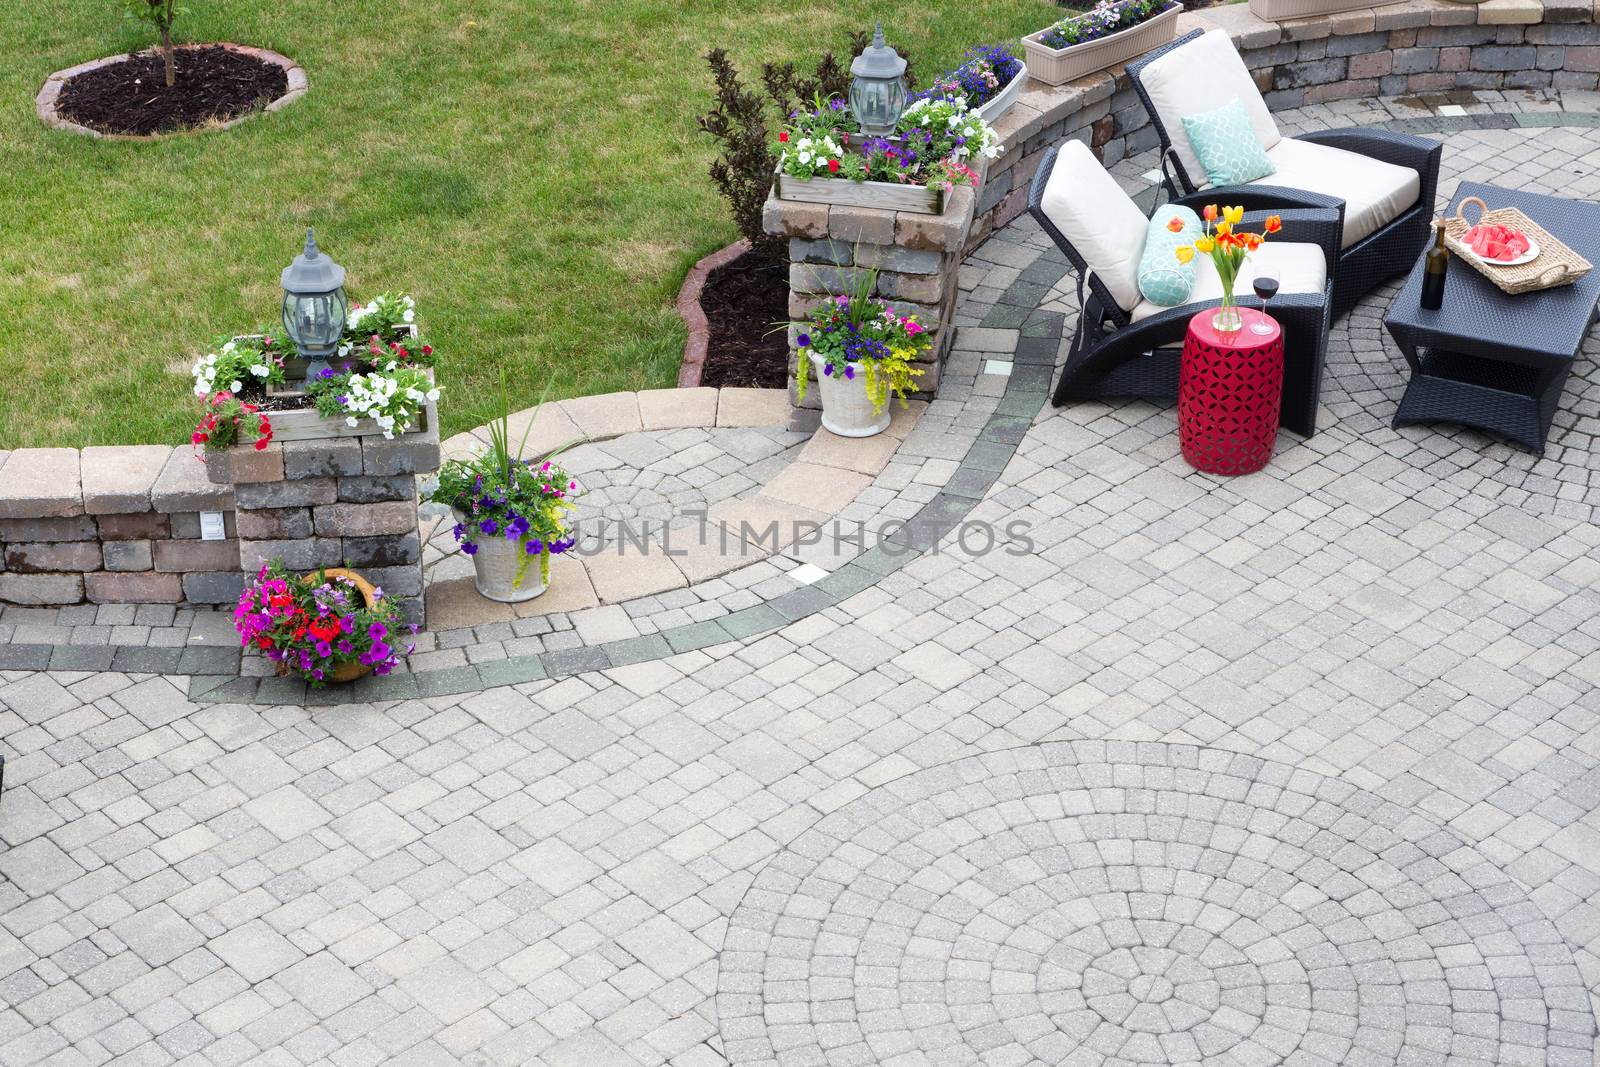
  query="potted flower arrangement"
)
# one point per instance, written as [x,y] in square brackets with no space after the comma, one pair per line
[509,512]
[329,626]
[1112,32]
[1227,248]
[989,80]
[936,144]
[862,351]
[232,384]
[382,383]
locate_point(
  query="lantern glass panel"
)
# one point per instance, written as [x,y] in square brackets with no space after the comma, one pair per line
[315,320]
[877,104]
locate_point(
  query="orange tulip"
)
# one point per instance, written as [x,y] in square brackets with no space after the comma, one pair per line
[1175,224]
[1210,213]
[1274,223]
[1253,241]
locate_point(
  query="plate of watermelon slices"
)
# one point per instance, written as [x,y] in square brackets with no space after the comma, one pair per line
[1499,246]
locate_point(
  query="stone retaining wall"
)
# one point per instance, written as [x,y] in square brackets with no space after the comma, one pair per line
[333,502]
[1416,47]
[112,526]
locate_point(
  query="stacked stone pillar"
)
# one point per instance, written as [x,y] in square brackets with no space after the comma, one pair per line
[917,257]
[334,502]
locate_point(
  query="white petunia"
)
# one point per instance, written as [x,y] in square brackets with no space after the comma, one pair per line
[229,347]
[409,316]
[200,390]
[237,385]
[350,420]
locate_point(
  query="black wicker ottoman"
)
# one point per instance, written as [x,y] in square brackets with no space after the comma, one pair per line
[1488,359]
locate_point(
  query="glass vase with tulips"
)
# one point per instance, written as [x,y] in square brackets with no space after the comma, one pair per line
[1228,247]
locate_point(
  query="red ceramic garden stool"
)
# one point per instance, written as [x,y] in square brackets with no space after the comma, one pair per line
[1230,388]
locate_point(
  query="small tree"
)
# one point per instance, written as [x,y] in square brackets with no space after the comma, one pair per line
[743,172]
[160,14]
[738,120]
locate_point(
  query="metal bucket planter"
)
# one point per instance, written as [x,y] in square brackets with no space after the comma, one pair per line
[846,408]
[495,565]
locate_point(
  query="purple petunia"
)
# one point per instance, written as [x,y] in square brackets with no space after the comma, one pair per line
[469,548]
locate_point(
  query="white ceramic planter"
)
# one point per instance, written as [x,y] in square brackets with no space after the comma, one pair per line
[1054,66]
[495,564]
[846,408]
[1001,102]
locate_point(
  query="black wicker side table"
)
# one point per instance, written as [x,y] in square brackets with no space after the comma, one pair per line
[1489,359]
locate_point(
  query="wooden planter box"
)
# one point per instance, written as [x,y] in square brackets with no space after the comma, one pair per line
[885,196]
[1277,10]
[1053,66]
[305,424]
[1001,102]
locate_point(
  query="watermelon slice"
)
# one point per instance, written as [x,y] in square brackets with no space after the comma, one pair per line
[1499,243]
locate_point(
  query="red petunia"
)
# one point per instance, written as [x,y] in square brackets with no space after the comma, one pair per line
[784,136]
[833,166]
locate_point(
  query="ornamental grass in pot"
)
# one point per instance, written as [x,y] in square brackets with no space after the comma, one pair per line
[330,626]
[862,351]
[511,513]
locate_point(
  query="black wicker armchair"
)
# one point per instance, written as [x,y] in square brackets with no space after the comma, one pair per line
[1112,355]
[1390,249]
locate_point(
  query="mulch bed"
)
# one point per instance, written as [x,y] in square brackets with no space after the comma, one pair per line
[742,300]
[214,84]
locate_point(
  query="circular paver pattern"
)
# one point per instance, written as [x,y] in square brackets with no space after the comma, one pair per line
[1111,904]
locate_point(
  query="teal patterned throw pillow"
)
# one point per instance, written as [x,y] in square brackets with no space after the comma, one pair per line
[1162,279]
[1227,146]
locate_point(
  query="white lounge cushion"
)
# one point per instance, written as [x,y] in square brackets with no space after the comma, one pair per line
[1100,220]
[1199,77]
[1299,268]
[1375,193]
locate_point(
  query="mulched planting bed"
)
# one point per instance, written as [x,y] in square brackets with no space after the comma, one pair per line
[214,84]
[742,300]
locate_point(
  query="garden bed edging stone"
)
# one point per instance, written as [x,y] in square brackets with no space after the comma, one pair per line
[50,93]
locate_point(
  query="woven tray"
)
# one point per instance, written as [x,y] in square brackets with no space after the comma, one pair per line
[1556,264]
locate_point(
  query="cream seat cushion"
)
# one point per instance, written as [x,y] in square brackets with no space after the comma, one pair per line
[1101,221]
[1200,77]
[1375,193]
[1299,268]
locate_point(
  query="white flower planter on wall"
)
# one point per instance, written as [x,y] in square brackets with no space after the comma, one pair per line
[1001,102]
[1278,10]
[1054,66]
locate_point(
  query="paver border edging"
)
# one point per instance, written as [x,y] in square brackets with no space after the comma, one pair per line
[694,317]
[45,102]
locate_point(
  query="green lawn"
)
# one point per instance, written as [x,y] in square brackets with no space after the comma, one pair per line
[530,169]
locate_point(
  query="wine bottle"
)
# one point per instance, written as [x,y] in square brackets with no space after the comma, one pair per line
[1433,271]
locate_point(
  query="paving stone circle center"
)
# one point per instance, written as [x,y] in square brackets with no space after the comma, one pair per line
[1111,904]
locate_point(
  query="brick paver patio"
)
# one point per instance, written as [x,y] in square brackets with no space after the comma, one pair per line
[1301,767]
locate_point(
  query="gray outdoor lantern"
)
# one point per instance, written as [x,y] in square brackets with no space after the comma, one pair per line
[878,88]
[314,305]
